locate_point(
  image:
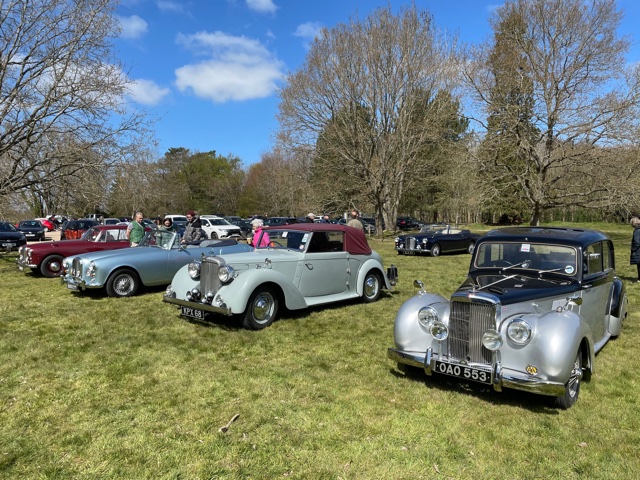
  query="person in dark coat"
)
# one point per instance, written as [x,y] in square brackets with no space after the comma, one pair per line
[635,244]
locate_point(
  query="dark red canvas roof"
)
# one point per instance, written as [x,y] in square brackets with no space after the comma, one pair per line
[355,242]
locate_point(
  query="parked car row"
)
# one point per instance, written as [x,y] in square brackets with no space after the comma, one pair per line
[537,305]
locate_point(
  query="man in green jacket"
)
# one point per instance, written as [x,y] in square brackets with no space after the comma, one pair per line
[135,230]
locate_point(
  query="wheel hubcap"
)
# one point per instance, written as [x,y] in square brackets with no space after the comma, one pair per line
[124,285]
[55,266]
[371,287]
[263,308]
[574,379]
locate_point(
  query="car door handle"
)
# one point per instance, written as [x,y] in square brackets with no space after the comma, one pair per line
[309,266]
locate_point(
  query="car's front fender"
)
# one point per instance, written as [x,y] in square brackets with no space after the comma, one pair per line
[556,338]
[408,334]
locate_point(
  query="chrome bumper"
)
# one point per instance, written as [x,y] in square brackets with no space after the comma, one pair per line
[499,378]
[73,283]
[199,306]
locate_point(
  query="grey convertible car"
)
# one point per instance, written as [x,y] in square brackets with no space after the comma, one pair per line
[537,306]
[123,272]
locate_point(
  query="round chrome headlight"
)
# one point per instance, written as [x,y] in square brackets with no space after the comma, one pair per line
[427,316]
[519,331]
[225,273]
[492,340]
[194,270]
[439,331]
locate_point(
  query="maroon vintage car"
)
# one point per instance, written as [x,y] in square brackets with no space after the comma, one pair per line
[46,258]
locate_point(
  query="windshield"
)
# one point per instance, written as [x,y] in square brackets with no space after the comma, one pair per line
[533,256]
[164,239]
[289,239]
[437,228]
[218,221]
[91,235]
[30,223]
[7,227]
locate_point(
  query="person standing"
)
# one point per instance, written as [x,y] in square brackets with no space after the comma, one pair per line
[135,230]
[325,218]
[193,232]
[256,240]
[355,221]
[167,225]
[635,244]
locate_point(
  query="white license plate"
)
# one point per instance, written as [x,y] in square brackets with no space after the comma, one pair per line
[192,312]
[462,371]
[8,244]
[72,286]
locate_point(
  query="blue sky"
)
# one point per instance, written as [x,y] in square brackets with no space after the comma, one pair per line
[209,69]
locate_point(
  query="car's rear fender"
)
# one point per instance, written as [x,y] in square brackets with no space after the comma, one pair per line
[367,266]
[618,307]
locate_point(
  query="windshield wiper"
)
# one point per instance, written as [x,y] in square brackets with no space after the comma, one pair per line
[524,264]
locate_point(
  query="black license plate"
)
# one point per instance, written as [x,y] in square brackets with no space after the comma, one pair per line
[192,312]
[462,371]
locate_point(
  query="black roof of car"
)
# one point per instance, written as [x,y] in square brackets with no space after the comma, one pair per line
[577,237]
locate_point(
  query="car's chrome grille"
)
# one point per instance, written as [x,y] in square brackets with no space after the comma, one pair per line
[467,323]
[209,281]
[76,268]
[411,243]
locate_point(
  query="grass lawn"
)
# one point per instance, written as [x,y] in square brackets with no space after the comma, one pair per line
[95,387]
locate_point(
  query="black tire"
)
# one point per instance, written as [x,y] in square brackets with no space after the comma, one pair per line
[262,309]
[371,287]
[572,387]
[51,266]
[471,247]
[213,236]
[435,250]
[123,283]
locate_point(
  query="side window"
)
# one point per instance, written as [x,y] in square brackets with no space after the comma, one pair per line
[593,258]
[607,256]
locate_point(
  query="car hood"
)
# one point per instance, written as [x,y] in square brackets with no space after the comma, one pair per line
[11,236]
[36,247]
[521,288]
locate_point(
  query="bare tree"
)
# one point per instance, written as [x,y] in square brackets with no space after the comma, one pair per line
[358,89]
[61,87]
[560,102]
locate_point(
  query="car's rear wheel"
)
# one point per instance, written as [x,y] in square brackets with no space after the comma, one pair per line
[471,247]
[123,283]
[371,287]
[262,309]
[572,387]
[51,266]
[435,250]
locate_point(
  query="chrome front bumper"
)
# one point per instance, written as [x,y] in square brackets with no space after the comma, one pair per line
[499,378]
[199,306]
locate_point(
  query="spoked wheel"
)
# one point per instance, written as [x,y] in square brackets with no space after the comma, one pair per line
[123,283]
[262,309]
[572,387]
[51,266]
[371,287]
[435,250]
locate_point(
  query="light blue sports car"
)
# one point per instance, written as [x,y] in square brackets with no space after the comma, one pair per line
[123,272]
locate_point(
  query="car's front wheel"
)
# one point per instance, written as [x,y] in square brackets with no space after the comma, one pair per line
[51,266]
[371,287]
[572,387]
[123,283]
[435,250]
[262,309]
[213,236]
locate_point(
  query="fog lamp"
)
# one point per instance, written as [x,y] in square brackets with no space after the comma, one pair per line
[492,340]
[439,331]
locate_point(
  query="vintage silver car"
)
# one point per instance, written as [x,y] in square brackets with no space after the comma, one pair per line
[298,266]
[154,262]
[536,307]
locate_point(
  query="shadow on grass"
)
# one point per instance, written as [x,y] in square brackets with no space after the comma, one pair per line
[514,398]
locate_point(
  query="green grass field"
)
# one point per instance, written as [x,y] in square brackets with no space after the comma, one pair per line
[95,387]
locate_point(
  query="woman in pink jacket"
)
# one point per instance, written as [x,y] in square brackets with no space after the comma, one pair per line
[257,225]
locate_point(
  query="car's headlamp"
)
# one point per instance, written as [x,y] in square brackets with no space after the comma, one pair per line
[427,316]
[519,331]
[91,269]
[225,273]
[397,239]
[492,340]
[194,270]
[439,331]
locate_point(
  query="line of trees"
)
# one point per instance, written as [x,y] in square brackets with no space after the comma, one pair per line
[388,115]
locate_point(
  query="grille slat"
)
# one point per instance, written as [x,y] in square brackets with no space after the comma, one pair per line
[467,323]
[411,243]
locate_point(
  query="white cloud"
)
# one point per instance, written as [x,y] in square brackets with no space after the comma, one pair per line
[132,27]
[309,30]
[170,6]
[237,68]
[147,92]
[262,6]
